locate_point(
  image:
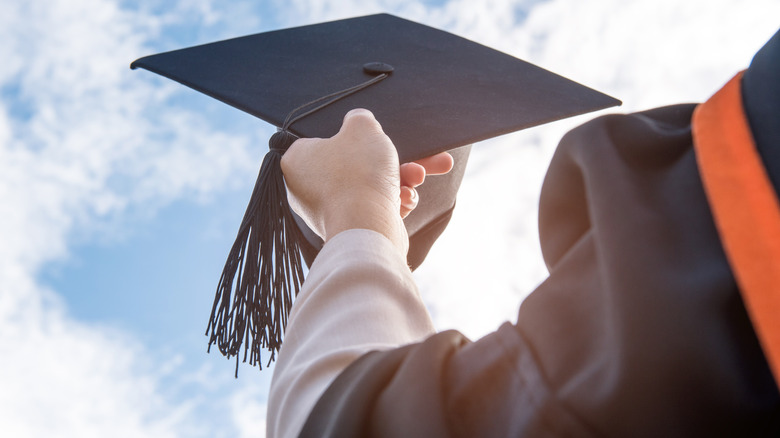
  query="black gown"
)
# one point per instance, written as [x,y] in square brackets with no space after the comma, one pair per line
[640,329]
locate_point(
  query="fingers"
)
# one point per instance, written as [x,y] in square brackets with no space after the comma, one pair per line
[438,164]
[409,200]
[412,174]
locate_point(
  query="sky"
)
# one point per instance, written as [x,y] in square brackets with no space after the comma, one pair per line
[121,192]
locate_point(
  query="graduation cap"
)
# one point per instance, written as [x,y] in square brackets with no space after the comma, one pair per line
[432,91]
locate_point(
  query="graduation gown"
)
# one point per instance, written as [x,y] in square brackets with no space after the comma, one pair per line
[640,330]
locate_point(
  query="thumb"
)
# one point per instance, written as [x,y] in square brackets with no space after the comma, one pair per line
[360,122]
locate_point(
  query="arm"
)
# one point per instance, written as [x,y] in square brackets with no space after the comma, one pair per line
[359,295]
[639,330]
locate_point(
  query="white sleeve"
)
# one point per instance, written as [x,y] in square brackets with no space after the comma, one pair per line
[359,296]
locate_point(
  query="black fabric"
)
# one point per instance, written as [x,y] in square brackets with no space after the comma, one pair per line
[390,370]
[638,332]
[761,95]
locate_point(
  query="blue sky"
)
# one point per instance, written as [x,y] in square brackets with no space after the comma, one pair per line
[122,191]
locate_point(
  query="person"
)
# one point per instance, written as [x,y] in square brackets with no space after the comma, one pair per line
[640,330]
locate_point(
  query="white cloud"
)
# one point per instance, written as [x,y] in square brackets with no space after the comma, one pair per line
[248,411]
[82,140]
[62,378]
[82,120]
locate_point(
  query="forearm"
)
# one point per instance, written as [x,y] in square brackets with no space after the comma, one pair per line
[359,296]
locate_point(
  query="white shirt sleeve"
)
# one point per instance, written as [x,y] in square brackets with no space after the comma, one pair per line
[359,296]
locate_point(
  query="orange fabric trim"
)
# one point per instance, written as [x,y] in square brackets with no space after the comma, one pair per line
[745,207]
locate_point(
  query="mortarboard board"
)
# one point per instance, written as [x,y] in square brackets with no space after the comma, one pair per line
[432,91]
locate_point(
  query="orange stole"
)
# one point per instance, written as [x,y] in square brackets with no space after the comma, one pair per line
[745,208]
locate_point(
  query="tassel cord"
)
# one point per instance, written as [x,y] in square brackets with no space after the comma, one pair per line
[250,262]
[338,95]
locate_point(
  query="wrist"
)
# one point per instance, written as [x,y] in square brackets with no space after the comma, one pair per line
[380,216]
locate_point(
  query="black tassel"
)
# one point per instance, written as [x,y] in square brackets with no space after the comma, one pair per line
[263,271]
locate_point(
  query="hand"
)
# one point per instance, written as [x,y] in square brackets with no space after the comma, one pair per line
[353,180]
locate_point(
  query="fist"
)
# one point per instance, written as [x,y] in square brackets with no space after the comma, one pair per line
[351,180]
